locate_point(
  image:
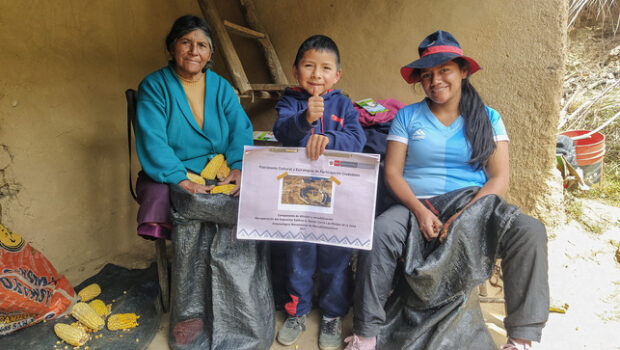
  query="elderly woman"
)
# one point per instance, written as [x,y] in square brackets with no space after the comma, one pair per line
[186,115]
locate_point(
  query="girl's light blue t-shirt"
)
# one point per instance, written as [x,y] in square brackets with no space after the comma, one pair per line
[437,155]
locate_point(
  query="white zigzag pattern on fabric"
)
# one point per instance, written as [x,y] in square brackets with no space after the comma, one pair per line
[305,236]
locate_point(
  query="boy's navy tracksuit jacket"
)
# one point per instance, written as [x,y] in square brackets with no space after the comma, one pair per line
[339,122]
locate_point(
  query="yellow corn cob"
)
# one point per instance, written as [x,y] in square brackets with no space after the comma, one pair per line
[85,314]
[90,292]
[100,308]
[122,321]
[558,308]
[223,171]
[71,335]
[195,178]
[79,325]
[212,167]
[225,189]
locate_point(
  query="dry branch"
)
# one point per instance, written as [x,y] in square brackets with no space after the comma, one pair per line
[585,136]
[585,107]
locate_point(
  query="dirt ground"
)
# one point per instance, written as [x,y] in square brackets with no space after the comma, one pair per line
[583,273]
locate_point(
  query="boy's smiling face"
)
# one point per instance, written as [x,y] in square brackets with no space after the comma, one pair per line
[317,70]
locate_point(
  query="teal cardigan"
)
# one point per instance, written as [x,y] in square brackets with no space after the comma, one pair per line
[168,138]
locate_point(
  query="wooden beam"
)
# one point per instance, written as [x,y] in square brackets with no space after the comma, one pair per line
[270,87]
[273,62]
[243,31]
[233,62]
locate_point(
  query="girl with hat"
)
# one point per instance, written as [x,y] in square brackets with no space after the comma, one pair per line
[443,154]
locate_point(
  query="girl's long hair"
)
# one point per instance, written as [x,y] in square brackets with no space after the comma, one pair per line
[478,128]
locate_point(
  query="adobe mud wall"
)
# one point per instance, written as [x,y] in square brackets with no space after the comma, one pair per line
[65,68]
[520,45]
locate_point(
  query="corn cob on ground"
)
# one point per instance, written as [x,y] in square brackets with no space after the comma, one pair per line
[210,170]
[87,316]
[100,307]
[223,171]
[70,334]
[122,321]
[90,292]
[195,178]
[224,189]
[79,325]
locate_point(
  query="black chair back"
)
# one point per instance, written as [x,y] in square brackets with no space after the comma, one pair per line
[131,96]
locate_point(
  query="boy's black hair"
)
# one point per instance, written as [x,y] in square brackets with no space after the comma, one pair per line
[319,43]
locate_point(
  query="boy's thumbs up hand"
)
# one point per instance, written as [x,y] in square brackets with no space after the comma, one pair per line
[315,91]
[315,106]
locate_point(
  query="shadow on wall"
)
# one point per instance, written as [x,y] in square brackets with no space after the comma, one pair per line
[106,191]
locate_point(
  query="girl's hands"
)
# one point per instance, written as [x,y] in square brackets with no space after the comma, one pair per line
[316,145]
[429,223]
[193,187]
[233,177]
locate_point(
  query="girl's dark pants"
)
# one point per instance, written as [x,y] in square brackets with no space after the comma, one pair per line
[523,250]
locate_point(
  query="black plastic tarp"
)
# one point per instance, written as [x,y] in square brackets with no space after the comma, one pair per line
[220,286]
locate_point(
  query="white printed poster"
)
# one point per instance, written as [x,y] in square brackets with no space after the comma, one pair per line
[287,197]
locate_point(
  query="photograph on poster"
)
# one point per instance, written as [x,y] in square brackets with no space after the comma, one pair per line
[306,193]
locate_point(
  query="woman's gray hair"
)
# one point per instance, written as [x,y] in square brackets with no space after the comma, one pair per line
[187,24]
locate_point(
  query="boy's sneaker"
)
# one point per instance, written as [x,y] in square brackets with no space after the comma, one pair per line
[291,329]
[360,343]
[512,345]
[330,336]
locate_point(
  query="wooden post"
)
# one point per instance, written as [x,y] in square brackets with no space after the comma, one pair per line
[233,62]
[273,62]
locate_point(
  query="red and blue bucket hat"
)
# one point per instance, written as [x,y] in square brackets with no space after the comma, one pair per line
[436,49]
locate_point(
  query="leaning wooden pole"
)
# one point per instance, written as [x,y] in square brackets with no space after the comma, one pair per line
[233,63]
[273,62]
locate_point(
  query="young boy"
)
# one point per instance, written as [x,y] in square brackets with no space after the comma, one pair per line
[318,118]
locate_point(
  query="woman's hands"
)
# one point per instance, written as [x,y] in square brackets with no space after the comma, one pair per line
[429,223]
[193,187]
[233,177]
